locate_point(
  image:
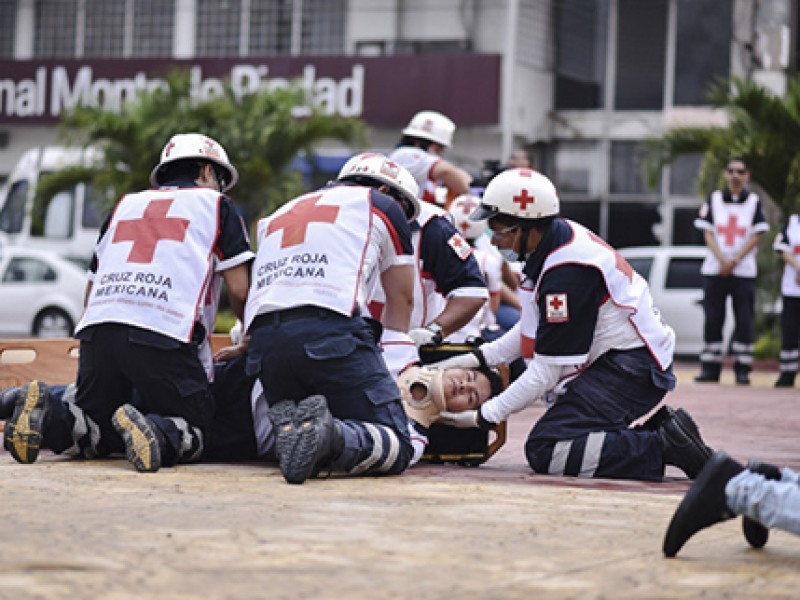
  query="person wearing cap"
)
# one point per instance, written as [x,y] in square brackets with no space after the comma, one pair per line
[145,321]
[420,149]
[594,344]
[449,288]
[333,403]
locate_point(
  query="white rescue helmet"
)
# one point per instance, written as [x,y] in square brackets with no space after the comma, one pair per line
[520,193]
[460,210]
[195,146]
[433,126]
[377,168]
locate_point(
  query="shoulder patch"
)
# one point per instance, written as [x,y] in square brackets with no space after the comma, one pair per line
[460,246]
[557,309]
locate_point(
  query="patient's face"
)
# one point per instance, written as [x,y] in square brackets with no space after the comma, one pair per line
[465,389]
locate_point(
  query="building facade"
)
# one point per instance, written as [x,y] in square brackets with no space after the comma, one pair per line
[579,83]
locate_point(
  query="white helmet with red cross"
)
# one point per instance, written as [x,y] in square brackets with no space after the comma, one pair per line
[196,146]
[460,210]
[433,126]
[374,168]
[520,193]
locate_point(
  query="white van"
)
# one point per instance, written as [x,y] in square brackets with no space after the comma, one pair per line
[67,222]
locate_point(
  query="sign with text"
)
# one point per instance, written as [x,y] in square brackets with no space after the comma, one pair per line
[384,91]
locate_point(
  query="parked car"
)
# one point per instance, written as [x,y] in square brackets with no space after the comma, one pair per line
[673,273]
[41,293]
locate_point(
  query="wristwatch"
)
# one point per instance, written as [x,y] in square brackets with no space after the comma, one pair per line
[436,329]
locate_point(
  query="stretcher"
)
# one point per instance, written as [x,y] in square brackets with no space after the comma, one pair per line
[447,444]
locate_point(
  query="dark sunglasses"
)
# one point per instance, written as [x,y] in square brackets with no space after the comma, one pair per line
[737,171]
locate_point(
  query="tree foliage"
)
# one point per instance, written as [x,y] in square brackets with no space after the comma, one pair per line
[763,128]
[261,133]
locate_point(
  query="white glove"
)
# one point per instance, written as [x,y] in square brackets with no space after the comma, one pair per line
[432,334]
[236,333]
[466,419]
[468,360]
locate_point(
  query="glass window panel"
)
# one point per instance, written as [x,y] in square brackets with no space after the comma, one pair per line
[684,274]
[631,224]
[13,212]
[218,25]
[105,28]
[581,38]
[153,24]
[52,217]
[92,207]
[270,27]
[8,23]
[641,54]
[627,175]
[585,212]
[323,26]
[642,266]
[703,48]
[684,233]
[55,28]
[683,174]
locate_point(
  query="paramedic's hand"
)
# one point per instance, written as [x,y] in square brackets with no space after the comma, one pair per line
[466,419]
[432,334]
[231,352]
[468,360]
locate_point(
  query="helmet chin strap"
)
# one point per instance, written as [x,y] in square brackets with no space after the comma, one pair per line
[524,231]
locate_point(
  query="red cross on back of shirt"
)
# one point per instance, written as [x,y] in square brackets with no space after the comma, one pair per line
[730,231]
[795,249]
[295,221]
[621,264]
[154,226]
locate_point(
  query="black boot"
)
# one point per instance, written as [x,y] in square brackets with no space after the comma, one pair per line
[8,399]
[742,373]
[25,429]
[704,504]
[786,379]
[709,372]
[145,444]
[307,437]
[681,443]
[754,532]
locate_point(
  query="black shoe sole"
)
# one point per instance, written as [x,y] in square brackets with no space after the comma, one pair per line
[141,444]
[23,431]
[298,436]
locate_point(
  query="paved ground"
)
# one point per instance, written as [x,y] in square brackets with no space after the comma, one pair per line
[75,529]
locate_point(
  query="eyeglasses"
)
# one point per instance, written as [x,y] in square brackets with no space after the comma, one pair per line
[505,230]
[737,171]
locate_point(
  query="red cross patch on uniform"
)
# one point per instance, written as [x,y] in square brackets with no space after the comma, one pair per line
[557,310]
[460,246]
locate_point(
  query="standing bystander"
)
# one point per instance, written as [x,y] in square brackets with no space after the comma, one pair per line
[732,221]
[787,244]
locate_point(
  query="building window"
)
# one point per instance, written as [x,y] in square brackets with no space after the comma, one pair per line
[8,24]
[641,54]
[631,224]
[105,29]
[323,27]
[270,27]
[218,25]
[627,174]
[581,38]
[153,24]
[55,28]
[702,49]
[683,173]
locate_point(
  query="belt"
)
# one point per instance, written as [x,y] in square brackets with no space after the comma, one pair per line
[294,314]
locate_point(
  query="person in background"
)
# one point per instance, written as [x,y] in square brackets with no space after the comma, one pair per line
[421,149]
[732,221]
[787,245]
